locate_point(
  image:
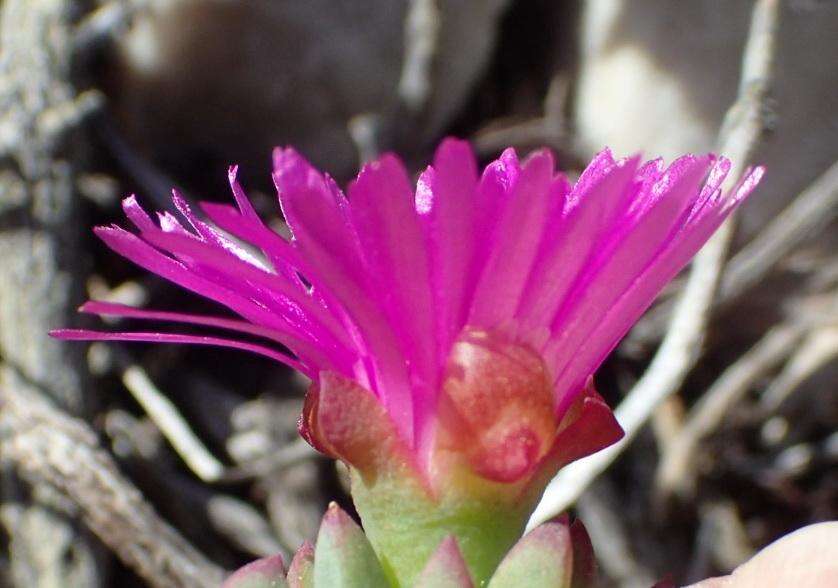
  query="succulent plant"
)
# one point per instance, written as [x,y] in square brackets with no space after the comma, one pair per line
[450,333]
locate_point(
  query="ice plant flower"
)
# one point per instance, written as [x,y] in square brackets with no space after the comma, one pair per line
[450,332]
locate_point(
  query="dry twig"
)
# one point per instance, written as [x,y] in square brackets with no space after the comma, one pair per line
[819,348]
[40,113]
[421,37]
[814,208]
[285,456]
[680,349]
[548,129]
[244,526]
[174,427]
[50,447]
[677,461]
[610,538]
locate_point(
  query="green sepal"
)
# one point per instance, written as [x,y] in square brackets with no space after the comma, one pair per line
[343,556]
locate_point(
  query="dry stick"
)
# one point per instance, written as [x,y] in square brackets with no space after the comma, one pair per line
[815,207]
[421,36]
[244,526]
[40,260]
[50,447]
[295,452]
[680,349]
[548,129]
[810,211]
[172,425]
[673,473]
[611,541]
[721,537]
[194,453]
[105,23]
[819,348]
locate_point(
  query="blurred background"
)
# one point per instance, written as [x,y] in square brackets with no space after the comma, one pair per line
[105,98]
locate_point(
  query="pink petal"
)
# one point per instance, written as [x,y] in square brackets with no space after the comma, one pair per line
[287,338]
[295,307]
[85,335]
[445,200]
[278,250]
[515,243]
[136,214]
[569,240]
[133,248]
[625,311]
[382,211]
[318,217]
[623,254]
[494,192]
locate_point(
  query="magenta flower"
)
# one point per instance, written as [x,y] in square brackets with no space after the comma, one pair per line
[466,317]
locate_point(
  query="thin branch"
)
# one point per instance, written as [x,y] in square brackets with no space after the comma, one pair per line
[680,349]
[48,446]
[174,427]
[676,463]
[818,349]
[295,452]
[105,23]
[814,208]
[549,129]
[421,37]
[244,526]
[599,509]
[41,116]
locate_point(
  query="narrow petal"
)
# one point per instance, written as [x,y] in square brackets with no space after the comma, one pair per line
[446,200]
[212,236]
[287,338]
[494,191]
[622,255]
[515,243]
[273,245]
[383,213]
[324,235]
[135,249]
[276,248]
[87,335]
[295,307]
[625,311]
[136,214]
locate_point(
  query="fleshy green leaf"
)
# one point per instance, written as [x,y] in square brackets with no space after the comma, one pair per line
[268,572]
[542,559]
[446,568]
[343,556]
[301,570]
